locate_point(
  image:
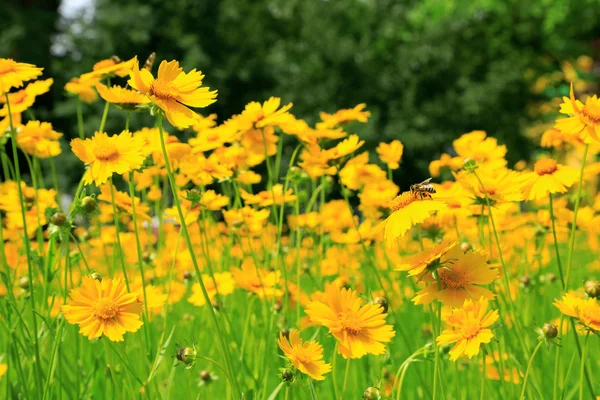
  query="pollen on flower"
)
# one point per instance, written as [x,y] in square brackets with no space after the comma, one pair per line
[451,278]
[351,324]
[545,167]
[402,200]
[105,309]
[471,330]
[162,89]
[592,111]
[106,153]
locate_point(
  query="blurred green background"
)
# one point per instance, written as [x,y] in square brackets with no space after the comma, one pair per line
[428,70]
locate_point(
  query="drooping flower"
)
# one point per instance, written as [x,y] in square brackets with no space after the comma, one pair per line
[418,264]
[306,357]
[469,328]
[109,154]
[586,311]
[224,286]
[103,308]
[121,97]
[460,275]
[173,90]
[39,139]
[13,74]
[22,99]
[583,120]
[549,177]
[359,328]
[408,209]
[391,153]
[84,88]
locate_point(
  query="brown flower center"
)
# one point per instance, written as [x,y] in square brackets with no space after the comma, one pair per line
[402,201]
[546,166]
[105,309]
[592,111]
[471,329]
[162,89]
[351,324]
[106,153]
[451,279]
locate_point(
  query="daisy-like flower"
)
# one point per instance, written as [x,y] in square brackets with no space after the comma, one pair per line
[224,286]
[585,310]
[269,197]
[345,147]
[260,281]
[469,328]
[408,209]
[306,357]
[549,177]
[13,74]
[172,90]
[23,99]
[501,184]
[391,153]
[39,139]
[109,67]
[428,259]
[584,119]
[259,116]
[359,328]
[460,275]
[84,88]
[103,308]
[121,97]
[343,116]
[106,155]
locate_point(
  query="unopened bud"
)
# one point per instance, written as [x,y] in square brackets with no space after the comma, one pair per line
[96,276]
[59,219]
[24,283]
[525,280]
[205,376]
[372,393]
[287,375]
[186,355]
[285,332]
[465,246]
[592,288]
[550,331]
[383,303]
[89,204]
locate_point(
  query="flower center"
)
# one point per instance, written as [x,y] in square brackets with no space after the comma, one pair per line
[106,153]
[105,309]
[545,167]
[402,200]
[350,323]
[592,111]
[162,89]
[7,66]
[471,329]
[451,279]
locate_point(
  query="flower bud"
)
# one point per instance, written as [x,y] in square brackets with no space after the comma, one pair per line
[550,331]
[592,288]
[186,355]
[89,204]
[383,303]
[285,332]
[525,280]
[205,376]
[465,246]
[58,219]
[24,283]
[469,164]
[277,307]
[287,375]
[372,393]
[551,277]
[96,276]
[187,275]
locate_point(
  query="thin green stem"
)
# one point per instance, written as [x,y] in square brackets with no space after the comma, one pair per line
[582,368]
[529,364]
[560,270]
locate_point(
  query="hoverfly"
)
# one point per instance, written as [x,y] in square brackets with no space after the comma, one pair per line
[423,189]
[150,61]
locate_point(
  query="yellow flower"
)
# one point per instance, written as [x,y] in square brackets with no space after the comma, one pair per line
[121,97]
[500,184]
[260,281]
[306,357]
[460,275]
[246,220]
[587,311]
[103,308]
[84,88]
[485,150]
[109,67]
[345,147]
[583,120]
[549,177]
[39,139]
[24,98]
[407,210]
[213,201]
[109,154]
[3,369]
[123,203]
[391,153]
[343,116]
[418,264]
[13,74]
[269,197]
[469,328]
[359,328]
[172,90]
[156,299]
[259,116]
[357,172]
[224,286]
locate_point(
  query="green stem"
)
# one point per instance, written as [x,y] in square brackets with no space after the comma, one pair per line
[345,378]
[117,222]
[560,270]
[582,368]
[483,377]
[104,115]
[190,246]
[529,364]
[313,394]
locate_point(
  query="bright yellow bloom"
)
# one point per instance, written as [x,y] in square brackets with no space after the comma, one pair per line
[103,308]
[408,210]
[357,172]
[584,120]
[549,177]
[213,201]
[269,197]
[260,281]
[418,264]
[13,74]
[246,220]
[122,97]
[500,184]
[84,88]
[343,116]
[306,357]
[460,276]
[345,147]
[123,203]
[587,311]
[106,155]
[485,150]
[109,67]
[172,90]
[259,116]
[156,299]
[469,328]
[24,98]
[3,369]
[391,153]
[224,286]
[359,328]
[39,139]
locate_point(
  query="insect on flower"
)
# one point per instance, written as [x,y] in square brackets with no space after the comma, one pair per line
[422,190]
